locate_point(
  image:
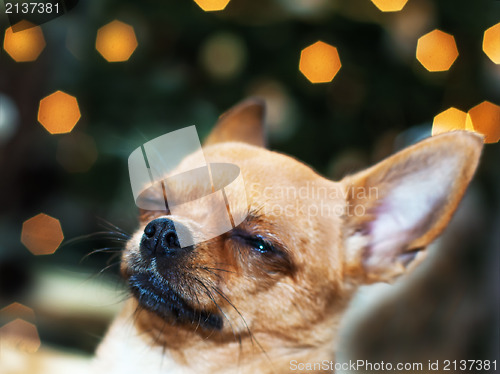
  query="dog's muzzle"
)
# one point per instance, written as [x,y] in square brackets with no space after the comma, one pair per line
[159,287]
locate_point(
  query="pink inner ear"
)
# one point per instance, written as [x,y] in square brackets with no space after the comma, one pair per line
[407,211]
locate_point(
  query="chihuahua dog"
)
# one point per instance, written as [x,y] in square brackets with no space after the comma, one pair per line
[272,291]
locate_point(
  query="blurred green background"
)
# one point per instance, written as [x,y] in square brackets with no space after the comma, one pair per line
[189,67]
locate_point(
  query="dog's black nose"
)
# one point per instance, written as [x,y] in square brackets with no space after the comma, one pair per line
[160,238]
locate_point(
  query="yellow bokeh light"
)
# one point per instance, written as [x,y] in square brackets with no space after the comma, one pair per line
[319,62]
[437,50]
[58,112]
[485,119]
[491,43]
[212,5]
[281,116]
[42,234]
[116,41]
[20,334]
[449,120]
[223,56]
[25,45]
[390,5]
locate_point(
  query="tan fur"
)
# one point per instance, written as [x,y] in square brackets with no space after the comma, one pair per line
[284,309]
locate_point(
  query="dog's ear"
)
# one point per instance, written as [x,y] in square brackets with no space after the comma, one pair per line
[400,205]
[242,123]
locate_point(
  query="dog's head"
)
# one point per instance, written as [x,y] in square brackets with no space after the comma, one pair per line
[292,264]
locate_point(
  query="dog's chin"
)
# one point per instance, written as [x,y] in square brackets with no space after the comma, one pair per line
[159,298]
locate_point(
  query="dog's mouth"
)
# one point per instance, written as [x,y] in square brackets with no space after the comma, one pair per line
[157,296]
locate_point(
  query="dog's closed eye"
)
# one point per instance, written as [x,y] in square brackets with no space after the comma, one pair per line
[267,255]
[259,244]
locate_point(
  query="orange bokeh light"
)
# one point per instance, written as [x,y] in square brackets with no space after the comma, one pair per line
[116,41]
[437,50]
[25,45]
[491,43]
[20,334]
[390,5]
[212,5]
[17,310]
[319,62]
[485,119]
[42,234]
[58,112]
[449,120]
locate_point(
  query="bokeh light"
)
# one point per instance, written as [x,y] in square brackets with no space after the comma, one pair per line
[223,56]
[21,335]
[76,152]
[281,113]
[319,62]
[390,5]
[309,8]
[58,112]
[212,5]
[9,118]
[491,43]
[344,163]
[42,234]
[76,40]
[485,119]
[25,45]
[437,50]
[407,26]
[17,310]
[449,120]
[116,41]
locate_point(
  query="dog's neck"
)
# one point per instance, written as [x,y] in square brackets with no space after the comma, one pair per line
[170,348]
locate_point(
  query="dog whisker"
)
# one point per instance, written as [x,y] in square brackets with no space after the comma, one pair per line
[199,307]
[212,271]
[99,235]
[215,269]
[107,224]
[210,295]
[159,335]
[108,267]
[252,336]
[102,250]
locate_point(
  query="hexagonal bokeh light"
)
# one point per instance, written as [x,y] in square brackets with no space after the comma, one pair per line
[319,62]
[212,5]
[449,120]
[42,234]
[17,310]
[116,41]
[20,334]
[485,119]
[437,50]
[59,112]
[390,5]
[491,43]
[25,45]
